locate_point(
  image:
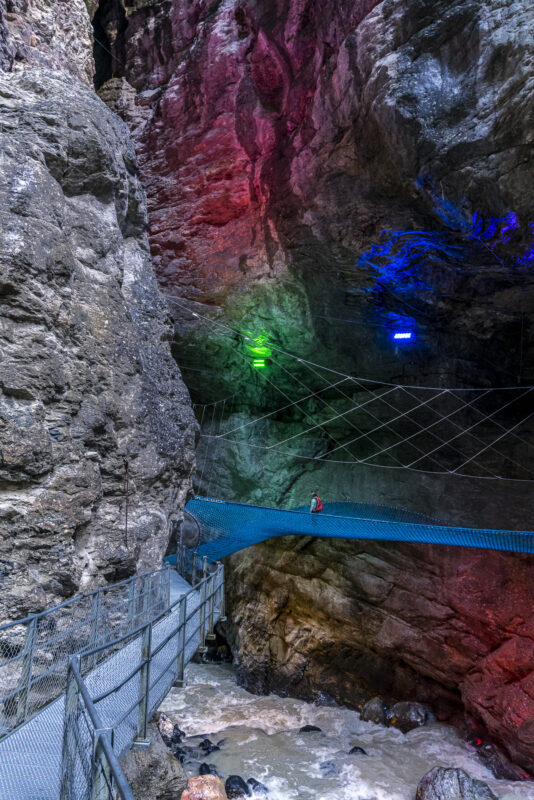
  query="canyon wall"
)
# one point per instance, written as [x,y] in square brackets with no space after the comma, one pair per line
[96,431]
[318,177]
[343,621]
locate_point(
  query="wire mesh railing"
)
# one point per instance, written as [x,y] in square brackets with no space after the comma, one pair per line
[35,651]
[115,700]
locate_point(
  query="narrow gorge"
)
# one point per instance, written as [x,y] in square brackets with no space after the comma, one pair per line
[251,250]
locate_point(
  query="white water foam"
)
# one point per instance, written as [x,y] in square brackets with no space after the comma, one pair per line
[262,740]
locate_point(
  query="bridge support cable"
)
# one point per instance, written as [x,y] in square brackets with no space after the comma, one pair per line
[413,427]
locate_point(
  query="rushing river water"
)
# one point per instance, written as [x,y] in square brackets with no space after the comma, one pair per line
[262,740]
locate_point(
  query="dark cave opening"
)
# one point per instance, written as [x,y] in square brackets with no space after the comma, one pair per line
[109,24]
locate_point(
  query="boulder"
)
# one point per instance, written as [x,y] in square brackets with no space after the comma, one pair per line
[443,783]
[407,716]
[236,787]
[357,750]
[205,787]
[257,787]
[375,710]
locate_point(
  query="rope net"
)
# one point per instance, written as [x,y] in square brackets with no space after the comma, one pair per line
[320,414]
[230,527]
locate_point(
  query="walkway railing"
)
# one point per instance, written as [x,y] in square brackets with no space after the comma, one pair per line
[88,675]
[109,710]
[35,651]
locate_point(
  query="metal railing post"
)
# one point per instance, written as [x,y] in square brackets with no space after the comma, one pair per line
[204,566]
[194,569]
[102,776]
[68,753]
[146,588]
[141,742]
[210,587]
[95,628]
[179,682]
[167,585]
[202,609]
[26,670]
[131,605]
[222,602]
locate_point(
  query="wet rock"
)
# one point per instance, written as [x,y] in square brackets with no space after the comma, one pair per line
[452,784]
[207,746]
[357,750]
[236,787]
[328,768]
[205,787]
[170,732]
[406,715]
[375,710]
[208,769]
[257,787]
[309,729]
[154,774]
[500,765]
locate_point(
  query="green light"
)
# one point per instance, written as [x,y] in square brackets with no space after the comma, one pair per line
[258,363]
[261,351]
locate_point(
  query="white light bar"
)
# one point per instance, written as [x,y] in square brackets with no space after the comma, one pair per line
[402,335]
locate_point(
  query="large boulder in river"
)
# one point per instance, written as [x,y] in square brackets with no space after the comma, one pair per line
[406,715]
[375,710]
[452,784]
[205,787]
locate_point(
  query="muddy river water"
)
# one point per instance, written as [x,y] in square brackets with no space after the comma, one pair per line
[259,737]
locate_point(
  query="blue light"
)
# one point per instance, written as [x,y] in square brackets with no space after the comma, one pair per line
[402,335]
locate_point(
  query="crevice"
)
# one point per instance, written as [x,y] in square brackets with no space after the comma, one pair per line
[109,26]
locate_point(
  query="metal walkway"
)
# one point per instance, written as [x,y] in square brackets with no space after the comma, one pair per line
[39,761]
[229,527]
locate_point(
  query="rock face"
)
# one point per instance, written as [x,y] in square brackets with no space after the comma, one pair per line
[449,627]
[205,787]
[154,774]
[96,431]
[316,175]
[48,33]
[452,784]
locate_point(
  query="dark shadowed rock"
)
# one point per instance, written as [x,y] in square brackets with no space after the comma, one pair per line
[375,710]
[257,787]
[357,750]
[309,729]
[407,715]
[236,787]
[452,784]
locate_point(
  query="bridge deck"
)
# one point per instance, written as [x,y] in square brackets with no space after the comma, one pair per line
[229,527]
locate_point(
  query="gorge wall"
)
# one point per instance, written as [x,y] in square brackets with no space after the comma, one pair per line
[95,421]
[316,176]
[344,621]
[319,176]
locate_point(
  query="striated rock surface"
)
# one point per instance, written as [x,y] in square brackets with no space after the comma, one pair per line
[205,787]
[449,627]
[452,784]
[317,174]
[53,34]
[154,774]
[96,432]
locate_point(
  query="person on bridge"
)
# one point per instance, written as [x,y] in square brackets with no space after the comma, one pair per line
[316,504]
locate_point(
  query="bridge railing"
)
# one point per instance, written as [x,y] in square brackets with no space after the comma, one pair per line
[89,765]
[110,707]
[35,651]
